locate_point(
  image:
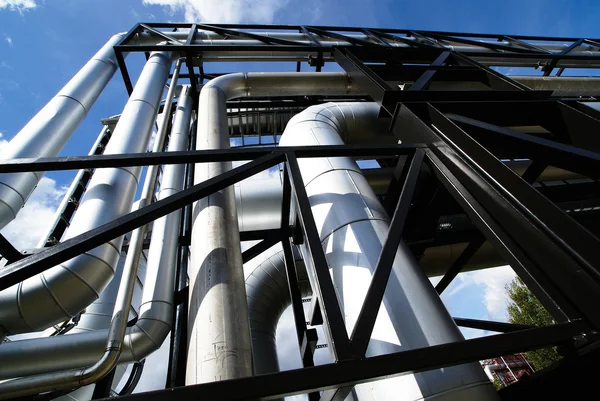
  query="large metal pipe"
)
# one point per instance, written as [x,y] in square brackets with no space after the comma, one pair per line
[48,354]
[562,86]
[353,227]
[268,297]
[49,130]
[219,335]
[64,290]
[70,194]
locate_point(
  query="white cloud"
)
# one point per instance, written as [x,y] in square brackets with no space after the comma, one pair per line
[18,5]
[34,218]
[8,39]
[494,281]
[270,173]
[223,11]
[3,142]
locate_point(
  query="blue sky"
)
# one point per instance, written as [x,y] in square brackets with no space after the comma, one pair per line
[44,42]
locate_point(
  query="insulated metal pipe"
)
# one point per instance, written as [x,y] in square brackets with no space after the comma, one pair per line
[64,290]
[98,317]
[118,325]
[268,297]
[219,335]
[49,130]
[35,356]
[353,226]
[75,186]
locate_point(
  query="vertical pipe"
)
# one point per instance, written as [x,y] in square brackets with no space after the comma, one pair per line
[50,129]
[219,336]
[219,332]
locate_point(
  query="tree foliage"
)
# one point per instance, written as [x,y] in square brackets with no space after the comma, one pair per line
[524,308]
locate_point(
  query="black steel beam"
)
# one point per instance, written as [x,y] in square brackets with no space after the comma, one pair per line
[247,35]
[375,37]
[519,260]
[459,263]
[424,39]
[352,372]
[495,36]
[533,172]
[49,257]
[325,291]
[294,289]
[554,153]
[286,199]
[571,277]
[496,80]
[189,62]
[121,60]
[548,68]
[310,35]
[368,81]
[361,334]
[523,44]
[259,248]
[489,45]
[563,230]
[499,327]
[8,251]
[404,40]
[327,33]
[258,234]
[123,69]
[368,314]
[161,35]
[393,97]
[425,79]
[196,156]
[307,338]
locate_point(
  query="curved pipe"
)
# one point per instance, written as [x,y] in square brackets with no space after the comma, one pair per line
[217,303]
[64,290]
[48,354]
[353,226]
[50,129]
[268,297]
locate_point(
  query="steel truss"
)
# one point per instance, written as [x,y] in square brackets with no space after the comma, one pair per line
[453,144]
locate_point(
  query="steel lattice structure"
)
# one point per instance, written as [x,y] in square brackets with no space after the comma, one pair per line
[458,120]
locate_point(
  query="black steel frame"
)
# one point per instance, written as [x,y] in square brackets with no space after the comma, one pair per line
[451,140]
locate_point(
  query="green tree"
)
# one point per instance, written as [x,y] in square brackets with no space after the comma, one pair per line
[497,384]
[524,308]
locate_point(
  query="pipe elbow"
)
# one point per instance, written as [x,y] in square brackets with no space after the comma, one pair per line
[232,85]
[57,294]
[149,332]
